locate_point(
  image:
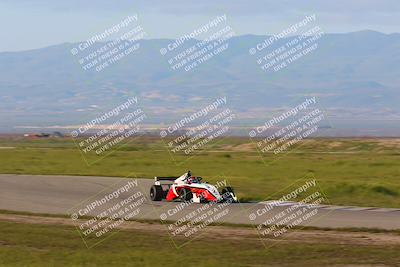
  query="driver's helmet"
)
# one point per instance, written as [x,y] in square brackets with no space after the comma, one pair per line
[192,179]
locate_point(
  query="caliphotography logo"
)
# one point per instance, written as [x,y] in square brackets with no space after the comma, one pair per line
[198,131]
[287,131]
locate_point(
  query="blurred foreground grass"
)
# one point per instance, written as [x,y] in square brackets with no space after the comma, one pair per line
[57,245]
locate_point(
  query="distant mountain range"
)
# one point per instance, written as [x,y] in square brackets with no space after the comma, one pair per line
[355,77]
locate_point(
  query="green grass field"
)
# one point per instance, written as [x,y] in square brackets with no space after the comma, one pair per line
[55,245]
[362,172]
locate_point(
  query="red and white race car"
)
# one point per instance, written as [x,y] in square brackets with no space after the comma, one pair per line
[189,188]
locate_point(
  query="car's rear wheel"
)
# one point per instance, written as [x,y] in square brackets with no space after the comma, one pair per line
[156,193]
[185,194]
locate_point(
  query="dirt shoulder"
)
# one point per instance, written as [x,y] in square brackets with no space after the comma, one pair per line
[235,233]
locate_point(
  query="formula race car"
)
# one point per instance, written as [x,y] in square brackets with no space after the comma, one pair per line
[189,188]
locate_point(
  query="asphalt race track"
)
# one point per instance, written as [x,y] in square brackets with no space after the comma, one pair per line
[67,194]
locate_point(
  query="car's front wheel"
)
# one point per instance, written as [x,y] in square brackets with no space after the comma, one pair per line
[228,194]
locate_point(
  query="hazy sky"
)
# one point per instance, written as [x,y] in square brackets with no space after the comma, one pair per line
[29,24]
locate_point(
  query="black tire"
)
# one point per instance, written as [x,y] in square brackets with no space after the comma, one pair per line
[227,189]
[203,199]
[156,193]
[185,194]
[225,192]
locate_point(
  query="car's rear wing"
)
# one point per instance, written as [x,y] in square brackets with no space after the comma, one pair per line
[166,180]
